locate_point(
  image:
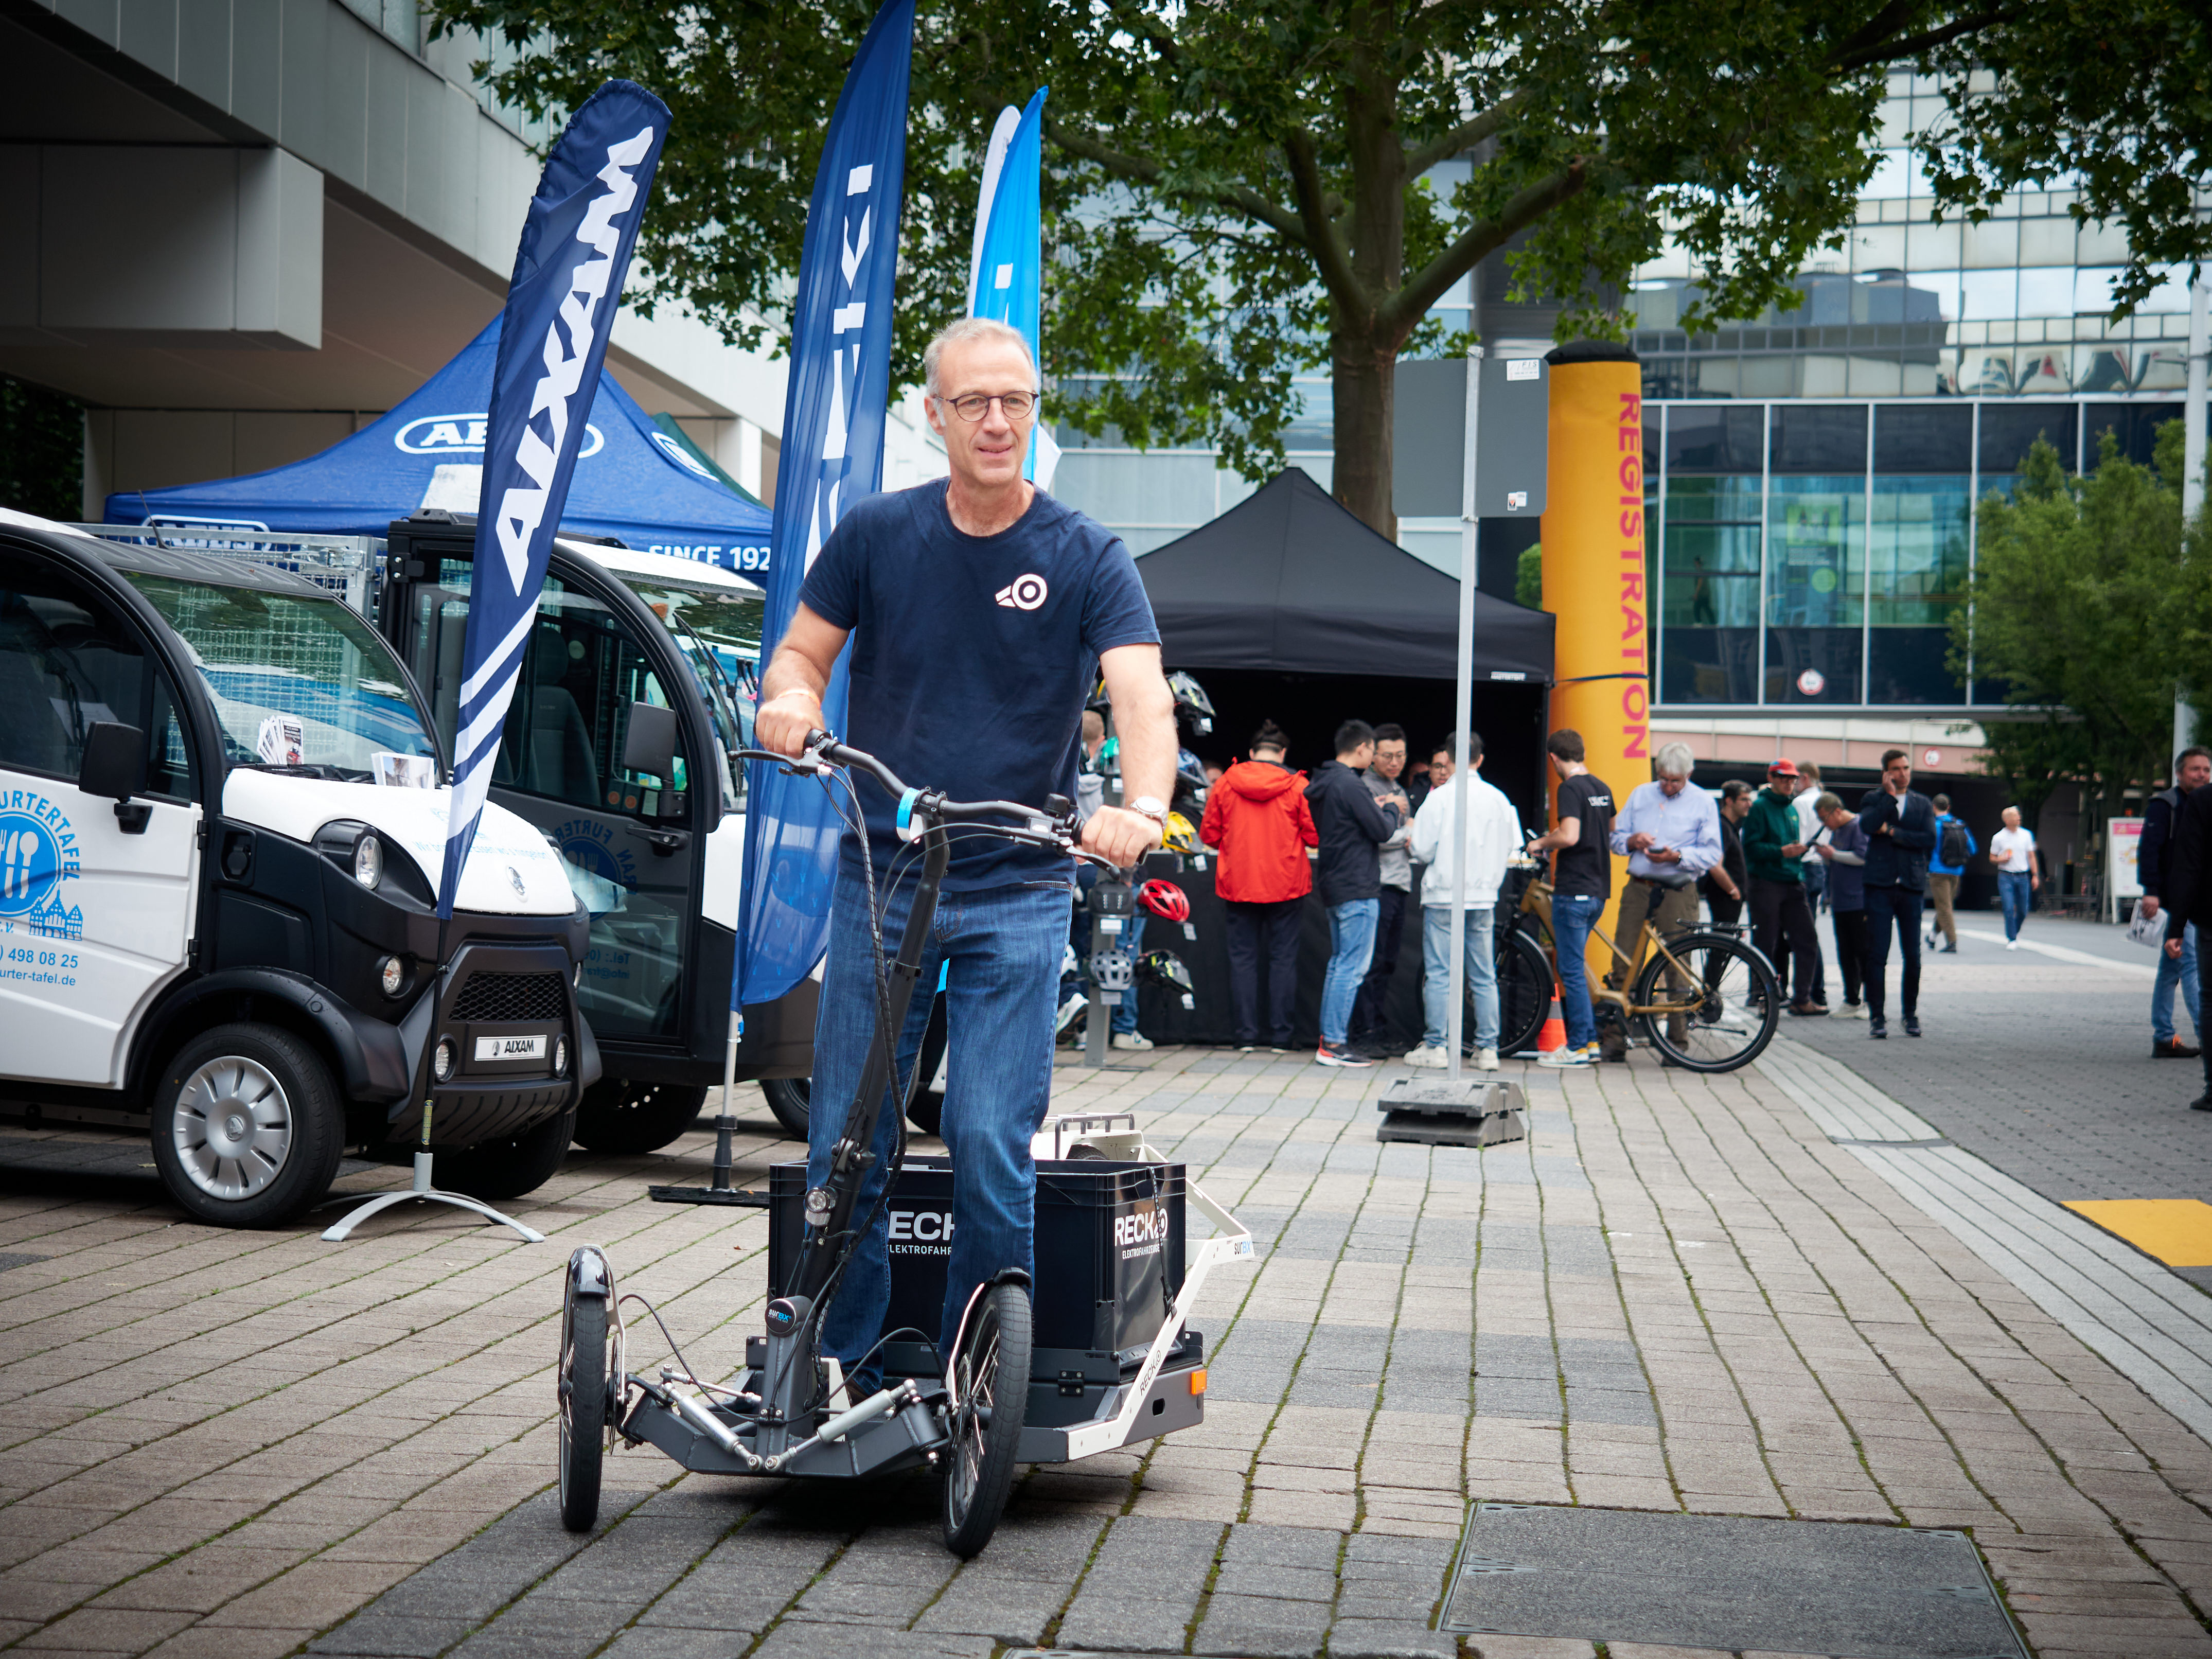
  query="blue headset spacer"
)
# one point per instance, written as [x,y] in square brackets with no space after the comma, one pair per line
[907,831]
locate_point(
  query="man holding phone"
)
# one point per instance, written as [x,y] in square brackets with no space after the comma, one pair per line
[1671,832]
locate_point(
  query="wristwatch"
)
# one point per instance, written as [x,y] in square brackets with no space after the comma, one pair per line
[1151,807]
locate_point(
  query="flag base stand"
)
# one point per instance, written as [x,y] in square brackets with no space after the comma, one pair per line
[722,1192]
[424,1190]
[1445,1112]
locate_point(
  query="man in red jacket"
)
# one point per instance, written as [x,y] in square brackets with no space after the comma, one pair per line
[1257,817]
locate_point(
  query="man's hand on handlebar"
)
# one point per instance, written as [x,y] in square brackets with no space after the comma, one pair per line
[785,722]
[1116,833]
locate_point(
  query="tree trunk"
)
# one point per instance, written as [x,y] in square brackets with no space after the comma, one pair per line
[1363,379]
[1362,365]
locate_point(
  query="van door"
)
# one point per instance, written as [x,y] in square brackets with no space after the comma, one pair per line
[559,766]
[94,922]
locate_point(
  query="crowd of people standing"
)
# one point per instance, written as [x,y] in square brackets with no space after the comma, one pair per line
[1373,832]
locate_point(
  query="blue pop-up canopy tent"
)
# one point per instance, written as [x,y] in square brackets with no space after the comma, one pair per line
[632,481]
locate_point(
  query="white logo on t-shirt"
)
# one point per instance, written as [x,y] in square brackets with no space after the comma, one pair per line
[1022,593]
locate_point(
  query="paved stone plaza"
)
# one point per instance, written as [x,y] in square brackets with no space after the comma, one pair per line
[1680,1294]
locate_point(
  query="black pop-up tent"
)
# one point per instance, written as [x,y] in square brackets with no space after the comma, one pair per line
[1288,608]
[1290,581]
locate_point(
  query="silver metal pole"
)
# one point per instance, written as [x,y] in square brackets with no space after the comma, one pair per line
[2192,459]
[1463,720]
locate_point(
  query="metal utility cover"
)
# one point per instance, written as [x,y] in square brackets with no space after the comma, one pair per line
[1851,1589]
[1429,441]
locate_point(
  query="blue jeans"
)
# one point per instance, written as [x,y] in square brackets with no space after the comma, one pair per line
[2172,972]
[1351,948]
[1436,974]
[2013,890]
[1573,916]
[1000,948]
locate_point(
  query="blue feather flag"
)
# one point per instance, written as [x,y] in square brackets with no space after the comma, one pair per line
[832,455]
[560,305]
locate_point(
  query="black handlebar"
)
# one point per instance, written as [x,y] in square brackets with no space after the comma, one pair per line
[1042,829]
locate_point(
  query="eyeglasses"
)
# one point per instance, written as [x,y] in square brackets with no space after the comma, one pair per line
[973,407]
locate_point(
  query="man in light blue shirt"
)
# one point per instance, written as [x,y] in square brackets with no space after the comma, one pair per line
[1671,835]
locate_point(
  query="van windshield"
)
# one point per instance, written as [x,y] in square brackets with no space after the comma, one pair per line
[298,683]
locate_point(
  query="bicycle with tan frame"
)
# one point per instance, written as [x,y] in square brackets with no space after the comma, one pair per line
[1716,1008]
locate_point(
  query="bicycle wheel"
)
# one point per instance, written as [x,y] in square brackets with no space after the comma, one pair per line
[1722,1018]
[1524,992]
[992,1371]
[583,1386]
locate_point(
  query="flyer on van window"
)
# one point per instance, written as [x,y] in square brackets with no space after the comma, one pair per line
[283,741]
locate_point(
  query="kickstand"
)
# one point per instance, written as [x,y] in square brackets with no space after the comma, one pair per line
[424,1190]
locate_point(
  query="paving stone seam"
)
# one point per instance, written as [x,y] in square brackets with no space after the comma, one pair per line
[1842,1302]
[1716,1346]
[1996,1390]
[2035,1227]
[395,1343]
[494,1451]
[431,1240]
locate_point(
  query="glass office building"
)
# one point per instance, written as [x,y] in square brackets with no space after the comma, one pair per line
[1810,554]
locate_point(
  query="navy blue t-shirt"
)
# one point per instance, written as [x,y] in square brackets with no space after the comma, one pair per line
[972,657]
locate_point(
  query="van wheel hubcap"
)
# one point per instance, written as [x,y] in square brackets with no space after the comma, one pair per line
[234,1127]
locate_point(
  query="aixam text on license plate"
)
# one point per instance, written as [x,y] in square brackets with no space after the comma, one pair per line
[511,1048]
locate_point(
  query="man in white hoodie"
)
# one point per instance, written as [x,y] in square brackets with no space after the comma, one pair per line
[1493,834]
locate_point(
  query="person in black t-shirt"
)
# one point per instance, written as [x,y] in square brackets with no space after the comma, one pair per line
[1582,882]
[981,613]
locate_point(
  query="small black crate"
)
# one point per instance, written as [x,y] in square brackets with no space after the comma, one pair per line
[1110,1243]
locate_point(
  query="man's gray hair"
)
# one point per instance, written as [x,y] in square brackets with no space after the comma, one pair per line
[1673,760]
[972,328]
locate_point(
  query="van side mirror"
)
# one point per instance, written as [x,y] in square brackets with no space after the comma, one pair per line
[649,745]
[113,767]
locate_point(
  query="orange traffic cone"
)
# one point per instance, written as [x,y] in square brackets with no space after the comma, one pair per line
[1553,1037]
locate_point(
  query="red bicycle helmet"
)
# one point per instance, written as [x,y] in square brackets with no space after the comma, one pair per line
[1165,900]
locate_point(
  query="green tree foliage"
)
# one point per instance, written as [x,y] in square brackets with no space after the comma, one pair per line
[41,451]
[1529,578]
[1236,193]
[2090,609]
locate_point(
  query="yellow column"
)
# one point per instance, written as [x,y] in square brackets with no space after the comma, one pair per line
[1593,563]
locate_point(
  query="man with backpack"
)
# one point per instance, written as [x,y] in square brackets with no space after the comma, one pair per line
[1954,845]
[2192,769]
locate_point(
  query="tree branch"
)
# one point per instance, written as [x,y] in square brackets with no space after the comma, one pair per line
[1466,135]
[1852,55]
[1411,301]
[1322,238]
[1142,169]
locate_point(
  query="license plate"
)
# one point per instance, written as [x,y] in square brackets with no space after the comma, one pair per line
[511,1048]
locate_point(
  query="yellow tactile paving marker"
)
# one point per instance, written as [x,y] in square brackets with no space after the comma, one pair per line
[2175,1230]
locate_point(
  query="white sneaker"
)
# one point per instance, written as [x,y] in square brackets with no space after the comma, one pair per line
[1487,1061]
[1075,1005]
[1853,1011]
[1430,1056]
[1563,1057]
[2012,945]
[1132,1040]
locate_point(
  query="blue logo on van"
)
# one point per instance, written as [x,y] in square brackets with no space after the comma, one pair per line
[38,853]
[590,846]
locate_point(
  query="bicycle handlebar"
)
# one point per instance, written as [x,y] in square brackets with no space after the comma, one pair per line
[1042,830]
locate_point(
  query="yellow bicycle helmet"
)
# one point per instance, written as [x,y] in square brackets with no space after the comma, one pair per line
[1177,836]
